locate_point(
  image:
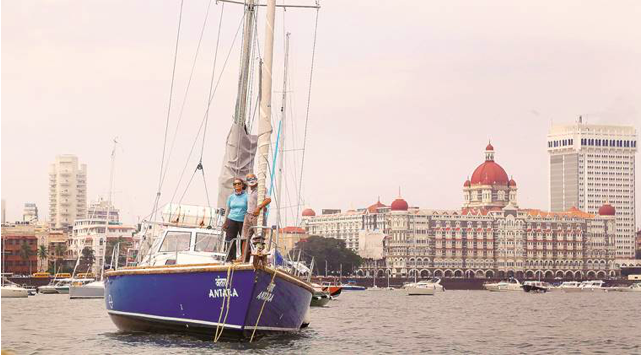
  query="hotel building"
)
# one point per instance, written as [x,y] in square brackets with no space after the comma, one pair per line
[591,165]
[489,237]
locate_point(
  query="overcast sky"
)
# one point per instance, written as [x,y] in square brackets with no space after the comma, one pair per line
[405,94]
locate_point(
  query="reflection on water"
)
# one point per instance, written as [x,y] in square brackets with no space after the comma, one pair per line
[364,322]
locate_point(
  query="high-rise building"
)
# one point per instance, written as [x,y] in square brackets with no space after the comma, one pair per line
[30,213]
[4,212]
[591,165]
[67,191]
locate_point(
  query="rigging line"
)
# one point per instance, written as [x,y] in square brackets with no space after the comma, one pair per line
[169,109]
[203,120]
[307,112]
[187,187]
[189,82]
[209,102]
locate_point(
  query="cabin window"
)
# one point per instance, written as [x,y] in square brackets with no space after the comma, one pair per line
[176,241]
[207,242]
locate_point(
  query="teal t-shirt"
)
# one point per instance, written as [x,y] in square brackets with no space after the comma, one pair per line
[237,205]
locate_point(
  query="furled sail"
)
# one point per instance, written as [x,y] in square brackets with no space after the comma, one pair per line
[240,149]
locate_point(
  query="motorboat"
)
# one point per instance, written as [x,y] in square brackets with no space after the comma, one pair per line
[62,286]
[632,288]
[13,290]
[352,286]
[334,290]
[429,287]
[504,286]
[81,289]
[592,285]
[536,286]
[567,286]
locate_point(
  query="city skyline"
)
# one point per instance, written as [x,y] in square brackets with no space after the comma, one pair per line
[416,115]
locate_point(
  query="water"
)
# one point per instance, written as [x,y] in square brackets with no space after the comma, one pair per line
[382,322]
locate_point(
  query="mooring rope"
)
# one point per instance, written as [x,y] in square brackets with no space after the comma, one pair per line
[226,296]
[263,305]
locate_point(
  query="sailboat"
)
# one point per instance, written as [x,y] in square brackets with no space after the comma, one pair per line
[183,282]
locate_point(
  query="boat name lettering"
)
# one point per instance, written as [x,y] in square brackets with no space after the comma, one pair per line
[265,296]
[220,281]
[218,293]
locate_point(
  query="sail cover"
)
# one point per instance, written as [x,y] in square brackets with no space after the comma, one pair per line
[238,161]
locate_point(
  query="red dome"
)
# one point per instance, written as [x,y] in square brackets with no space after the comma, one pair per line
[376,206]
[399,205]
[489,147]
[512,182]
[308,212]
[467,183]
[606,210]
[489,173]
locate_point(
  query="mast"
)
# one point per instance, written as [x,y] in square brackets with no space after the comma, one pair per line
[111,185]
[279,182]
[248,36]
[265,126]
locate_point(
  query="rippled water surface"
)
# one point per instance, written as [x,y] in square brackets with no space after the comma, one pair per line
[360,322]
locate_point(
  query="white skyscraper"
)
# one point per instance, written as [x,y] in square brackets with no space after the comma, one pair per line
[30,213]
[593,164]
[67,191]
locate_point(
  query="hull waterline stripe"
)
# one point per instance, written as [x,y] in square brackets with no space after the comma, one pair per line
[194,321]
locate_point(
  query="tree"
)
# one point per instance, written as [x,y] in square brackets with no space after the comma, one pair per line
[332,250]
[59,251]
[26,253]
[87,259]
[42,255]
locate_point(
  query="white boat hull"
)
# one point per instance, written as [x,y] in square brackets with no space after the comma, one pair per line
[421,291]
[91,290]
[14,292]
[47,290]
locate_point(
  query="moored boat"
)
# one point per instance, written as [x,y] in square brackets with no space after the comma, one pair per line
[536,286]
[592,285]
[504,286]
[84,290]
[567,286]
[12,290]
[352,286]
[425,287]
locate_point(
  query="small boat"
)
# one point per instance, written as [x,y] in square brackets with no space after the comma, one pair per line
[503,286]
[567,286]
[592,285]
[62,286]
[31,290]
[12,290]
[84,290]
[536,286]
[334,290]
[352,286]
[632,288]
[425,287]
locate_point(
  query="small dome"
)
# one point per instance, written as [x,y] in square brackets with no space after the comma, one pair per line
[489,147]
[512,183]
[399,205]
[467,183]
[308,212]
[606,210]
[376,206]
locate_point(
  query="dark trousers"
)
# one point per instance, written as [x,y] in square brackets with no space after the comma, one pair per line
[234,229]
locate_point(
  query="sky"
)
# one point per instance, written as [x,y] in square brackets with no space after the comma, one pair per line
[405,95]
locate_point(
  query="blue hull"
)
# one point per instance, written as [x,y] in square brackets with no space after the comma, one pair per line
[196,302]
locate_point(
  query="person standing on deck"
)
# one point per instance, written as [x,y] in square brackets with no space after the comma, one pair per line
[252,214]
[236,211]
